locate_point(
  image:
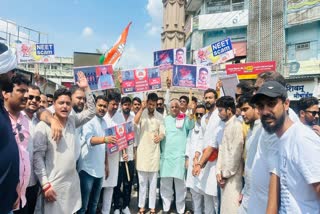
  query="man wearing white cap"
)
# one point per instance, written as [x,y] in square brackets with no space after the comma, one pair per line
[9,154]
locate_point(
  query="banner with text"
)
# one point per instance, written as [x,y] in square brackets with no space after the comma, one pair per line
[100,77]
[250,70]
[124,134]
[191,76]
[35,53]
[215,53]
[139,80]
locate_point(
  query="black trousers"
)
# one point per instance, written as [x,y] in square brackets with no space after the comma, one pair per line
[127,186]
[31,196]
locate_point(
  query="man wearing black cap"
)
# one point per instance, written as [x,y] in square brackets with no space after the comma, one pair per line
[298,151]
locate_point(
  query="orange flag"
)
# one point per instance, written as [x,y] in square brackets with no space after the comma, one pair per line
[113,55]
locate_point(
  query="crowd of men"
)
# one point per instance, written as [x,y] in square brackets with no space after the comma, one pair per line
[252,154]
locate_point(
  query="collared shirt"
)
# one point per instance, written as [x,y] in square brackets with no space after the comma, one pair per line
[32,125]
[148,152]
[21,129]
[92,156]
[9,163]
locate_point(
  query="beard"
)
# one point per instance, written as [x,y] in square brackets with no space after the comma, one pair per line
[271,129]
[126,111]
[209,105]
[78,108]
[160,110]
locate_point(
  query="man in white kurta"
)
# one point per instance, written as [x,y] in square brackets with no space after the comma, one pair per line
[192,144]
[212,129]
[150,125]
[113,117]
[229,164]
[172,159]
[55,162]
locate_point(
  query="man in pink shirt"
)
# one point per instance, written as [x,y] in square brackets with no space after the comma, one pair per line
[15,102]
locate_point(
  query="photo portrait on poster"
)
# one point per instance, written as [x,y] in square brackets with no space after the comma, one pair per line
[99,77]
[184,76]
[203,76]
[128,81]
[180,56]
[129,133]
[154,78]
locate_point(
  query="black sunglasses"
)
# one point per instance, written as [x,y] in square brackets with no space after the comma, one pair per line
[31,97]
[314,113]
[199,114]
[20,135]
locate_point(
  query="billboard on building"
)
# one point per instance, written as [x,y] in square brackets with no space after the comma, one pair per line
[35,53]
[250,70]
[223,20]
[302,11]
[302,67]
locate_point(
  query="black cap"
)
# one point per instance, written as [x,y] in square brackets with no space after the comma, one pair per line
[270,89]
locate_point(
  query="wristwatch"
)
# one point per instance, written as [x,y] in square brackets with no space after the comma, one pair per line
[105,139]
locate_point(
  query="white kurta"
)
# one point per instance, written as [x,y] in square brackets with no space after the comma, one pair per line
[212,132]
[55,162]
[113,159]
[192,144]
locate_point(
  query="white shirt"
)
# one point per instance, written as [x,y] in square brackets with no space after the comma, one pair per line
[207,176]
[264,163]
[92,156]
[192,143]
[299,167]
[251,149]
[113,159]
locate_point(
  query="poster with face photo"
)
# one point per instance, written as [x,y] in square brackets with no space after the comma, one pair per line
[140,80]
[184,76]
[163,57]
[203,77]
[99,77]
[129,133]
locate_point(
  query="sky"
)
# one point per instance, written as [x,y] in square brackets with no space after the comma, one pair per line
[88,25]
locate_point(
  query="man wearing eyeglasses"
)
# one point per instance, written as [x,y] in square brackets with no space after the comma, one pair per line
[308,110]
[32,106]
[193,142]
[15,102]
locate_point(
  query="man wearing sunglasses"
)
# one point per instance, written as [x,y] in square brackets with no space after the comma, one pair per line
[308,110]
[14,102]
[32,106]
[193,142]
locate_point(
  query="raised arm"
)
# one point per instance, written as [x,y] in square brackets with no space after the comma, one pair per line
[89,113]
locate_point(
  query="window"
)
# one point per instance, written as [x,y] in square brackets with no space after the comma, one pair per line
[303,46]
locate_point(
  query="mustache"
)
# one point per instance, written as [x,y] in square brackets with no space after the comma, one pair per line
[267,117]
